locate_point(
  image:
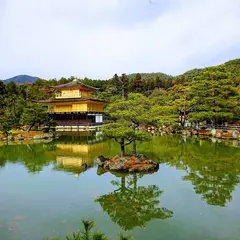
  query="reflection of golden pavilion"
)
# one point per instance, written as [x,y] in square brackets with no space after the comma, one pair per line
[70,161]
[76,157]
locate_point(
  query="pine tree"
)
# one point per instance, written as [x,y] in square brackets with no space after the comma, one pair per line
[137,84]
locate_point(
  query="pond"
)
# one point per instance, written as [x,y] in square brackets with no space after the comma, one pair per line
[45,191]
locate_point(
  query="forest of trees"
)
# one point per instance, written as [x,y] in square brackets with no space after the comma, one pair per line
[210,94]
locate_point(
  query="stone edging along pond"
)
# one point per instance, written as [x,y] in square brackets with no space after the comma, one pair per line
[22,136]
[220,134]
[26,136]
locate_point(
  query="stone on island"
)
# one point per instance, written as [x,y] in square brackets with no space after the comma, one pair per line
[128,163]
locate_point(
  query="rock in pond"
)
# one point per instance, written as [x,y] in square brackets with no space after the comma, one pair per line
[128,163]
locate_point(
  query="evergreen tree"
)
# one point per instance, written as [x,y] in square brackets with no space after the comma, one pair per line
[34,114]
[137,84]
[214,97]
[2,95]
[6,123]
[123,134]
[124,86]
[134,110]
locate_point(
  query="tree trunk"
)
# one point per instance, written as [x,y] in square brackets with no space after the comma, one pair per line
[214,123]
[135,181]
[134,141]
[122,147]
[31,126]
[134,148]
[184,117]
[122,150]
[123,184]
[181,119]
[123,93]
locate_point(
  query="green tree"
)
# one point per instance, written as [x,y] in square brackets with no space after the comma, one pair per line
[214,97]
[179,100]
[123,134]
[124,86]
[12,103]
[6,122]
[137,84]
[34,114]
[164,110]
[11,88]
[159,83]
[118,85]
[2,88]
[134,110]
[2,96]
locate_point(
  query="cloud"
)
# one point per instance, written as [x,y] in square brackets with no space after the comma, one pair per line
[97,38]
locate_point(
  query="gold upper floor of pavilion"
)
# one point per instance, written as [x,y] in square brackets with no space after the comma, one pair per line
[74,89]
[74,97]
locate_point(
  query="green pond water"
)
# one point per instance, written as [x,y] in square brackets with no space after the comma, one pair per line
[195,194]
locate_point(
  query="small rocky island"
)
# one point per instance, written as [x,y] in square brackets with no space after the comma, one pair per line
[128,164]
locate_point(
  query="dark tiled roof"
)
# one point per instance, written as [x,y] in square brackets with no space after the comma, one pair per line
[74,84]
[70,100]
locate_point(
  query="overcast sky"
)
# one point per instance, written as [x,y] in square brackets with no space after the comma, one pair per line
[97,38]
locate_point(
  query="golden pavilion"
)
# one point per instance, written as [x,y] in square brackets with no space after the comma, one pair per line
[74,105]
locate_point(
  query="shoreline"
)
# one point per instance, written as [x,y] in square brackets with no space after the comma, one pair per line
[23,137]
[17,136]
[189,132]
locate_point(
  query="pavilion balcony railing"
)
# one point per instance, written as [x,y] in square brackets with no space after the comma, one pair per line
[89,112]
[77,123]
[60,95]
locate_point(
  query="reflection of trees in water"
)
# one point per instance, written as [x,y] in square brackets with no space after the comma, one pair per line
[212,168]
[133,206]
[74,157]
[216,190]
[2,163]
[33,156]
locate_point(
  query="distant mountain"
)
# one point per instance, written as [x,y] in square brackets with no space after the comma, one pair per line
[20,79]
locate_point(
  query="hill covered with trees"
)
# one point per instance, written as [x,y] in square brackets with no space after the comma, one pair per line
[209,94]
[20,79]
